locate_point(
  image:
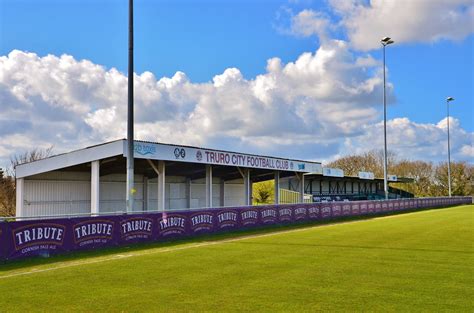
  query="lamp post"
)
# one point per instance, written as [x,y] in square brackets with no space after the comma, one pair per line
[130,164]
[448,99]
[385,42]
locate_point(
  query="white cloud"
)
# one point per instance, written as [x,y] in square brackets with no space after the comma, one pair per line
[416,141]
[468,151]
[310,22]
[322,104]
[404,20]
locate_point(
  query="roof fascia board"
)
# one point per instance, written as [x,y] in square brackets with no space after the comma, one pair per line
[177,153]
[89,154]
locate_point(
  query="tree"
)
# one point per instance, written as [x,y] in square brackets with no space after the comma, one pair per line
[263,192]
[462,179]
[7,195]
[422,172]
[7,178]
[430,180]
[371,161]
[29,156]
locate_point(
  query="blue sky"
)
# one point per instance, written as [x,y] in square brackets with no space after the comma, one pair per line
[432,60]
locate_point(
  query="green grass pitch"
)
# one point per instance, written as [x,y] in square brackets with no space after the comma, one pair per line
[422,261]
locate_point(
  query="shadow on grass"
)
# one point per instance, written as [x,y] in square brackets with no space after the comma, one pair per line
[79,255]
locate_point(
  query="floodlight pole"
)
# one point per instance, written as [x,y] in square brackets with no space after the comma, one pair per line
[449,145]
[130,164]
[385,41]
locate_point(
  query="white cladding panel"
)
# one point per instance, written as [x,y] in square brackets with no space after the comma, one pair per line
[112,193]
[234,194]
[285,183]
[112,197]
[325,186]
[57,175]
[216,194]
[63,193]
[175,196]
[56,197]
[198,195]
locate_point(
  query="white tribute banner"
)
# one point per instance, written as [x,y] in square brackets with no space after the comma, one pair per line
[166,152]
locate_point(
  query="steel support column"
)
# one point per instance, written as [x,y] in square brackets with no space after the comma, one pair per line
[277,187]
[145,194]
[300,177]
[188,193]
[161,192]
[161,185]
[247,187]
[208,186]
[20,197]
[95,187]
[222,193]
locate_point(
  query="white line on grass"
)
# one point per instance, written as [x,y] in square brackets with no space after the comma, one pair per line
[184,247]
[152,251]
[160,250]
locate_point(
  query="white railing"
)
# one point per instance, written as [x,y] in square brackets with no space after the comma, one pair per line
[290,197]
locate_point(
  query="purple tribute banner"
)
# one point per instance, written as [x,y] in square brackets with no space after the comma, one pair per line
[337,209]
[249,217]
[355,207]
[93,232]
[3,241]
[172,224]
[227,219]
[137,228]
[268,215]
[40,237]
[202,222]
[285,215]
[314,212]
[326,210]
[46,237]
[300,213]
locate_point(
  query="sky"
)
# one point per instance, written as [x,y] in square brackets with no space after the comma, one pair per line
[301,79]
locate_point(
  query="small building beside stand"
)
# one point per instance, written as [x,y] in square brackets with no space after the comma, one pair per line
[333,185]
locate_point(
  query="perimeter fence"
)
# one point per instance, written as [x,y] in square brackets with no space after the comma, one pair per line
[62,234]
